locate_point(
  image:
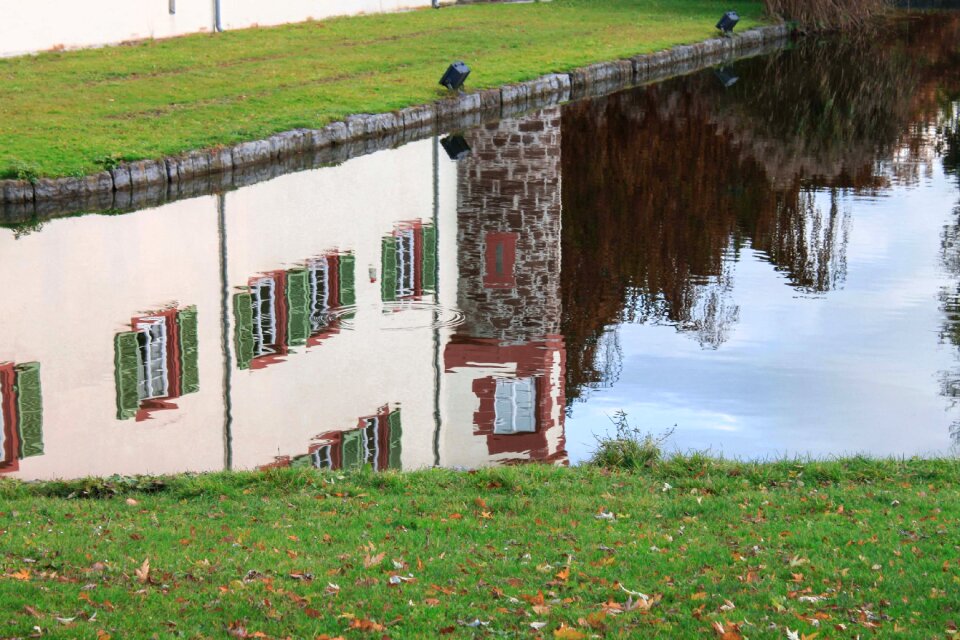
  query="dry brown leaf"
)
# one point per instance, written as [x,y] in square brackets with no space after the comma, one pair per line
[568,633]
[143,573]
[372,561]
[366,625]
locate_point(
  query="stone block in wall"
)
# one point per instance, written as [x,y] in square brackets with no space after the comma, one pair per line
[253,152]
[15,191]
[121,178]
[607,74]
[70,188]
[451,109]
[418,117]
[335,132]
[148,172]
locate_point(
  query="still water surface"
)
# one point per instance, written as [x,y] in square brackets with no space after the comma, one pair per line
[767,266]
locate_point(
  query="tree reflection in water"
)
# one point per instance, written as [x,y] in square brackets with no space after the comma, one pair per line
[665,185]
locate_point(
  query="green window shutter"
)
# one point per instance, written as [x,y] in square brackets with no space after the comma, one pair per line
[29,409]
[348,282]
[388,269]
[353,449]
[298,307]
[302,462]
[429,258]
[243,329]
[189,350]
[396,431]
[126,373]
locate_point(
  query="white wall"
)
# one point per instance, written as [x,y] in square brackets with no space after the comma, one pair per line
[30,26]
[239,14]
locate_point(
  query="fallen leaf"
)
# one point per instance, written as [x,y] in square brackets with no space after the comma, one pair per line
[143,573]
[372,561]
[366,625]
[568,633]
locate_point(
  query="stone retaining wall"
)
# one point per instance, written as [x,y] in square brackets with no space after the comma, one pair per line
[152,182]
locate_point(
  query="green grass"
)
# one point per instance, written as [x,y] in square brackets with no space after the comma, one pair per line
[73,113]
[852,548]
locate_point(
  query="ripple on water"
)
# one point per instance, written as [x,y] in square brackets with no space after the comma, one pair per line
[401,315]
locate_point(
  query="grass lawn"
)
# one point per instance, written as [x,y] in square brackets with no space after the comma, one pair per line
[73,113]
[841,549]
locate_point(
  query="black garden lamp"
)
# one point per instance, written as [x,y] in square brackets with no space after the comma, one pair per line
[455,76]
[728,22]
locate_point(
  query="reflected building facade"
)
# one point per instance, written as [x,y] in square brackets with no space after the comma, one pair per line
[450,315]
[507,359]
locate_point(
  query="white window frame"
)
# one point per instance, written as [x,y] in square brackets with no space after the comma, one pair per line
[260,344]
[152,374]
[371,432]
[506,393]
[319,271]
[323,457]
[406,263]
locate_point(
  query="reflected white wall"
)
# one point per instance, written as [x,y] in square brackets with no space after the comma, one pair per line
[79,281]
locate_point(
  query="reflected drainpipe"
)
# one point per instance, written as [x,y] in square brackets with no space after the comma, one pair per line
[437,371]
[225,334]
[217,24]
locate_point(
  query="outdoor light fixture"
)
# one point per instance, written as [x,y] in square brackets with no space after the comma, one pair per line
[726,76]
[728,22]
[455,146]
[455,76]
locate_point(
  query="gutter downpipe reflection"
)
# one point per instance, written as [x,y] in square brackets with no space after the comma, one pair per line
[225,334]
[436,299]
[217,23]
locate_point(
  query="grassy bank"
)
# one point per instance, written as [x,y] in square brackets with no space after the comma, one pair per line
[836,549]
[74,113]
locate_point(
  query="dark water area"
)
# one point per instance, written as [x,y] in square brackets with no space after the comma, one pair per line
[764,258]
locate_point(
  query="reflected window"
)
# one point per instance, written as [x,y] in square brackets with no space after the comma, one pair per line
[500,256]
[152,379]
[21,414]
[323,457]
[371,442]
[263,299]
[320,293]
[156,361]
[515,406]
[406,264]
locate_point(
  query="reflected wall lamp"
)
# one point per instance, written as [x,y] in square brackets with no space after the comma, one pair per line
[728,22]
[726,76]
[455,146]
[455,75]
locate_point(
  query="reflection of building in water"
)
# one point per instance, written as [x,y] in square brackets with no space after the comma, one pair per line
[506,361]
[408,262]
[487,391]
[287,308]
[21,414]
[375,441]
[156,362]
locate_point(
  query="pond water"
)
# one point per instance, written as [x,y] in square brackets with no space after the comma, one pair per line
[764,259]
